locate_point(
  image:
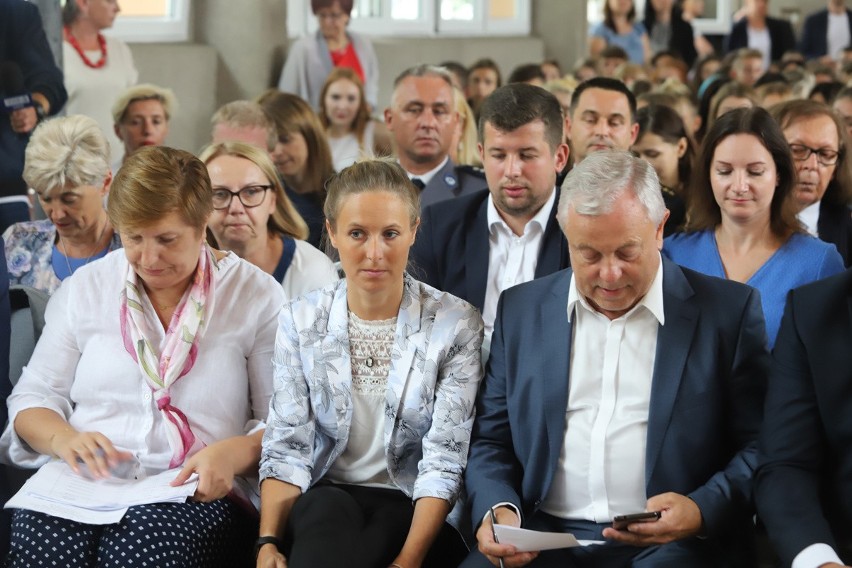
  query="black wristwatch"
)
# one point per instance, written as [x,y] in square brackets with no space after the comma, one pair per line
[263,541]
[41,114]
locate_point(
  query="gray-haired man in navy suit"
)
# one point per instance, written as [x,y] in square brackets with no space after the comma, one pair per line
[623,385]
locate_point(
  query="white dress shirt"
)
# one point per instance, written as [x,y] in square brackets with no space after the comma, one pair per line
[809,217]
[427,177]
[762,42]
[838,34]
[601,471]
[511,258]
[815,556]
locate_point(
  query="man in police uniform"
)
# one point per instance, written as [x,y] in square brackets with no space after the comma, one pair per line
[422,119]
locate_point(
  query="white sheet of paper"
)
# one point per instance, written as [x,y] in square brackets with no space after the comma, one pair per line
[56,490]
[64,511]
[527,541]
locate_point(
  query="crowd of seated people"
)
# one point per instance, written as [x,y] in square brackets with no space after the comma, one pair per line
[374,335]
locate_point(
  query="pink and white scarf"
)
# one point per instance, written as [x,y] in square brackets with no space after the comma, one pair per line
[185,329]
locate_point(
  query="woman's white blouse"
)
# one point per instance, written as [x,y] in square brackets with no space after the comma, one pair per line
[309,270]
[81,369]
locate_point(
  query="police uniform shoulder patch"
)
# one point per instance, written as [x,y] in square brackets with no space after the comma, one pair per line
[474,171]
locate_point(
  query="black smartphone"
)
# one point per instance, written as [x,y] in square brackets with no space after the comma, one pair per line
[620,522]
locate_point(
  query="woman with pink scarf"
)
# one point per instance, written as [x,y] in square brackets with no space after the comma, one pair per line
[158,355]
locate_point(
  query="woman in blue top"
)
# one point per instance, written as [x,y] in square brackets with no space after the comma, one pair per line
[621,28]
[741,223]
[67,165]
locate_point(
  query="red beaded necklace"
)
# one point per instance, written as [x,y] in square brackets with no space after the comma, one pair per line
[76,45]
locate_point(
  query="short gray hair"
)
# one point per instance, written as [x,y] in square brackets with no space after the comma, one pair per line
[424,70]
[246,114]
[144,92]
[70,150]
[593,185]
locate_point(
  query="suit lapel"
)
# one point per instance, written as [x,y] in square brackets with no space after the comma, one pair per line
[553,246]
[476,253]
[556,342]
[673,342]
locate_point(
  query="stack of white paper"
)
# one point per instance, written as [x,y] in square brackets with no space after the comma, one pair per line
[528,541]
[56,490]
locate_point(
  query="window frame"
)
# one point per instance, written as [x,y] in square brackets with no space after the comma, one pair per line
[300,22]
[721,24]
[144,29]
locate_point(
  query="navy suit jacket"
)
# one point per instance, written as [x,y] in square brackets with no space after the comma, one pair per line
[452,247]
[815,34]
[22,41]
[452,181]
[705,408]
[804,478]
[780,36]
[835,226]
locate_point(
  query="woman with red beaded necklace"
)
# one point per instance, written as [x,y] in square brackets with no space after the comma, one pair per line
[97,68]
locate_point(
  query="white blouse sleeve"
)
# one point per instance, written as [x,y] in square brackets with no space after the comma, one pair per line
[46,381]
[259,362]
[309,270]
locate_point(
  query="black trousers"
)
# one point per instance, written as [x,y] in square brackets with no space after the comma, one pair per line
[358,527]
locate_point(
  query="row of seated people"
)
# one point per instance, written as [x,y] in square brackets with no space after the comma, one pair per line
[749,169]
[667,26]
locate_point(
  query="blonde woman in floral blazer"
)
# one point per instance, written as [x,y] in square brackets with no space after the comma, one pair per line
[374,389]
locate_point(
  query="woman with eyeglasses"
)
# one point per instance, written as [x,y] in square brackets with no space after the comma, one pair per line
[254,218]
[741,222]
[312,58]
[823,189]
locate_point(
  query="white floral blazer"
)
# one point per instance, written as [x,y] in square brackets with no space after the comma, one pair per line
[29,251]
[429,405]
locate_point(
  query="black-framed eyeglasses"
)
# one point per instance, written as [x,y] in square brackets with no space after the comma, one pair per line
[825,156]
[250,196]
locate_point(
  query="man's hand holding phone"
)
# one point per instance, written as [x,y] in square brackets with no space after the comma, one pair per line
[679,517]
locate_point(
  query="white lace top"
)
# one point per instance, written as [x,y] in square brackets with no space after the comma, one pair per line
[364,462]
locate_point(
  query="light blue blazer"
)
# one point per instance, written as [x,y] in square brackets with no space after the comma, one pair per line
[429,405]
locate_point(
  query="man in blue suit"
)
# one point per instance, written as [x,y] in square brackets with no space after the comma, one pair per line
[804,477]
[625,384]
[422,119]
[476,246]
[827,32]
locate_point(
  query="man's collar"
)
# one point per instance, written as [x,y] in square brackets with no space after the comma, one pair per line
[541,217]
[427,177]
[652,300]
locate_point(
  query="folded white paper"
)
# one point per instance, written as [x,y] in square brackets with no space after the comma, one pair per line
[525,540]
[56,490]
